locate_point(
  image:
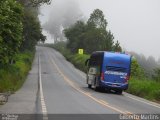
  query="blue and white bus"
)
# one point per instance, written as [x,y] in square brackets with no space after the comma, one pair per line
[109,70]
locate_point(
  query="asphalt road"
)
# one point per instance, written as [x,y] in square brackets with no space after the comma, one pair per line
[63,90]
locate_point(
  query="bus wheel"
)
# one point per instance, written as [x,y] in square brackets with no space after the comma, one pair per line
[96,88]
[89,86]
[119,92]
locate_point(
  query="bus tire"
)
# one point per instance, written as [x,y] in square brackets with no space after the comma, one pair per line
[119,92]
[96,88]
[89,86]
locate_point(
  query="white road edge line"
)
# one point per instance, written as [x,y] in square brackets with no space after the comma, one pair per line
[43,105]
[148,103]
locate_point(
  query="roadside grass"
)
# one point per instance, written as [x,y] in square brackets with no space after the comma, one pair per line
[13,76]
[142,87]
[79,61]
[146,88]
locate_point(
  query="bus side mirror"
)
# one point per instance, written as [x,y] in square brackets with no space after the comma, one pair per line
[87,62]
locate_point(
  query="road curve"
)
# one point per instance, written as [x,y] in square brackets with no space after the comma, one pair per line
[55,86]
[65,91]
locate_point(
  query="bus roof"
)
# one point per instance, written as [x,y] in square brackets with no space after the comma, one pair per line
[119,59]
[109,53]
[113,58]
[116,54]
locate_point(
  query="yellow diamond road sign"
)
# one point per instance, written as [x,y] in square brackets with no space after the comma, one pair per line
[80,51]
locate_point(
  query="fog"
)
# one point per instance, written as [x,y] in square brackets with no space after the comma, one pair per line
[60,15]
[134,23]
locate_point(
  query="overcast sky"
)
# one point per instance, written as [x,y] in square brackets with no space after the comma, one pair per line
[134,23]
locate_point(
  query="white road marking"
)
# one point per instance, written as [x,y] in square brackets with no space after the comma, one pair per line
[149,103]
[43,105]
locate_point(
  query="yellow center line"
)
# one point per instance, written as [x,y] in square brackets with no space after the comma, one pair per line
[103,101]
[129,113]
[88,93]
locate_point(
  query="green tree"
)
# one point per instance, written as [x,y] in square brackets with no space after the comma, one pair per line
[97,20]
[11,28]
[156,75]
[136,70]
[117,47]
[107,42]
[92,39]
[91,36]
[98,37]
[74,34]
[32,32]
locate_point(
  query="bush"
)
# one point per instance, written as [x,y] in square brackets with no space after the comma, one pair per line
[145,88]
[12,76]
[77,59]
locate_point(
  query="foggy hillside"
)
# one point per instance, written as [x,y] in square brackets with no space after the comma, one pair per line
[147,63]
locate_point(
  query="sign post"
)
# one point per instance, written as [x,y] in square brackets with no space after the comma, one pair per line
[80,51]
